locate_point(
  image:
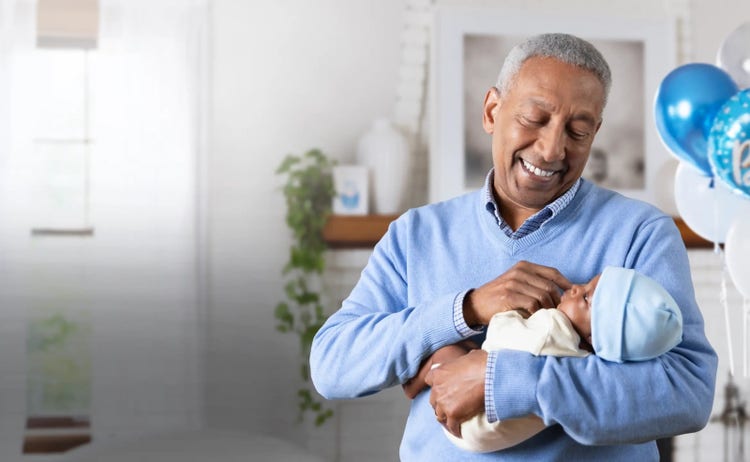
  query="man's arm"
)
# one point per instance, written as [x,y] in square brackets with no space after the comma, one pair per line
[376,340]
[595,401]
[600,402]
[526,286]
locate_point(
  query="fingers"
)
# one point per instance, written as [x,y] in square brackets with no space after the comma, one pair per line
[416,384]
[453,426]
[458,390]
[448,353]
[451,423]
[547,273]
[429,378]
[430,381]
[543,283]
[526,285]
[531,295]
[440,415]
[443,420]
[411,388]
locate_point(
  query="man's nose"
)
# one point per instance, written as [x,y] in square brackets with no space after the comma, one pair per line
[551,143]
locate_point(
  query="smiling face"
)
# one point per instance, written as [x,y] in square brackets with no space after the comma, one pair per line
[576,304]
[542,130]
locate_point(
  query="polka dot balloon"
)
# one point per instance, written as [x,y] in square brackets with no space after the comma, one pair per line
[729,143]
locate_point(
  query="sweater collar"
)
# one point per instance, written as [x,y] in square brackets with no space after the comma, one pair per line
[535,221]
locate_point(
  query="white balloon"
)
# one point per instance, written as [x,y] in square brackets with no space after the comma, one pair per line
[734,55]
[664,192]
[737,251]
[706,204]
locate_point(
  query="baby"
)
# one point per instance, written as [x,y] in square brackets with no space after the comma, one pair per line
[623,315]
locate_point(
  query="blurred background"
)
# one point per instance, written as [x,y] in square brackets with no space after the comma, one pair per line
[142,224]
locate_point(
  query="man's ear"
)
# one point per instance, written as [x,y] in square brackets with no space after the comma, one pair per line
[491,103]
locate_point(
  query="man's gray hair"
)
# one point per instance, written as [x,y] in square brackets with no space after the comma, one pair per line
[563,47]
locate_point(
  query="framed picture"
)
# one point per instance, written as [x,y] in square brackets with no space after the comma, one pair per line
[469,46]
[351,186]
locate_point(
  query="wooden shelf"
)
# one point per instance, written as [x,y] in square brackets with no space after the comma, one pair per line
[356,231]
[351,232]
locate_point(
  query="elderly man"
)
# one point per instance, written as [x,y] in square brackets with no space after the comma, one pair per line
[442,270]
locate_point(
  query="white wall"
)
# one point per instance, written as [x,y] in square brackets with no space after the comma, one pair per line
[290,75]
[711,23]
[287,76]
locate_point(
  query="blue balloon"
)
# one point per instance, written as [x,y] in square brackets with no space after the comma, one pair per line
[686,102]
[729,143]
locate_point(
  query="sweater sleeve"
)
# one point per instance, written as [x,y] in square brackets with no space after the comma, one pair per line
[375,340]
[599,402]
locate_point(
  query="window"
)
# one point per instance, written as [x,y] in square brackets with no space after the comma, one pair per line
[62,139]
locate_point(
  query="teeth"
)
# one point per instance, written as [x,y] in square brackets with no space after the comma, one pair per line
[536,170]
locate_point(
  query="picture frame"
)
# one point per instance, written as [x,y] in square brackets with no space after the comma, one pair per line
[469,45]
[352,194]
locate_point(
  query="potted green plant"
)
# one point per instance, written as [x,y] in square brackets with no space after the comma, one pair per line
[309,192]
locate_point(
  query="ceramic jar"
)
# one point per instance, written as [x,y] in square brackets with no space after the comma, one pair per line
[385,152]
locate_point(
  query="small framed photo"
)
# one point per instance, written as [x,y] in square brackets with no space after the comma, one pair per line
[351,186]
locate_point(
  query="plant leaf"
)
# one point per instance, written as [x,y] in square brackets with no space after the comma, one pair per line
[308,192]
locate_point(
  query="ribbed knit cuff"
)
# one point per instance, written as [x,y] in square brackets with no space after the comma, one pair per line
[515,378]
[438,323]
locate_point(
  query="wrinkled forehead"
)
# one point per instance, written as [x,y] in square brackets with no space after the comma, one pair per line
[542,78]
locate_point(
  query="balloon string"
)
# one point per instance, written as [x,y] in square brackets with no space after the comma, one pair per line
[715,197]
[723,301]
[744,340]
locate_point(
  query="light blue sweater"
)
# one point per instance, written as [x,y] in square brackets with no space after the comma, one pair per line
[401,311]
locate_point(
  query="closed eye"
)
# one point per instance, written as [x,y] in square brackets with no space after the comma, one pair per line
[578,136]
[580,129]
[530,122]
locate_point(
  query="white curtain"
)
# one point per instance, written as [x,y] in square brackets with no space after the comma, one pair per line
[149,131]
[139,278]
[16,38]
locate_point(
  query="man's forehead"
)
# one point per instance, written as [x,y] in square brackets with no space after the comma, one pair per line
[552,75]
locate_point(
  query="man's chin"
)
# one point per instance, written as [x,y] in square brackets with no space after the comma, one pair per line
[538,193]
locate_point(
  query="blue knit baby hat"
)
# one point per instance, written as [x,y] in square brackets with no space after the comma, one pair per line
[632,317]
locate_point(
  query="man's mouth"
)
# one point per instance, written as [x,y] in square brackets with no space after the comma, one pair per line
[531,168]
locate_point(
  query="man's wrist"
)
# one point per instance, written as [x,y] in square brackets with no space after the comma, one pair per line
[470,316]
[459,321]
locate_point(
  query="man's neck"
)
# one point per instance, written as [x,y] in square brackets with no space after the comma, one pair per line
[513,214]
[515,217]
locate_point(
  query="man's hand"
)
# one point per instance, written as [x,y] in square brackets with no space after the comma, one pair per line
[526,285]
[458,389]
[448,353]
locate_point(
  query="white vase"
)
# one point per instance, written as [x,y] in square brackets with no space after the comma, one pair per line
[385,152]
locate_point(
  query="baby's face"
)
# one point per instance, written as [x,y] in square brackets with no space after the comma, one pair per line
[576,304]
